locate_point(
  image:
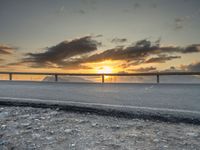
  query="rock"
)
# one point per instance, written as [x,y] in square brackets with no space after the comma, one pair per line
[68,130]
[156,140]
[73,145]
[53,113]
[49,138]
[3,126]
[25,116]
[139,127]
[192,134]
[94,124]
[132,135]
[71,131]
[35,135]
[36,120]
[165,146]
[25,124]
[3,142]
[43,118]
[116,127]
[3,115]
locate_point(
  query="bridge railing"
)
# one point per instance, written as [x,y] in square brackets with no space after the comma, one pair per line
[102,75]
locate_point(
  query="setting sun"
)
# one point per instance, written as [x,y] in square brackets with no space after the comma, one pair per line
[105,69]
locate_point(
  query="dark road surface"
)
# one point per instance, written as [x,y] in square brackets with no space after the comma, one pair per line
[180,99]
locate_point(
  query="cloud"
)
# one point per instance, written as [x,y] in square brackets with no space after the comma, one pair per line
[173,69]
[65,50]
[161,59]
[191,67]
[139,52]
[146,69]
[6,50]
[78,52]
[194,48]
[179,22]
[1,60]
[119,40]
[131,53]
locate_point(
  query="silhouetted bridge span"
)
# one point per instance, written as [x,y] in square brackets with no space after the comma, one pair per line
[156,74]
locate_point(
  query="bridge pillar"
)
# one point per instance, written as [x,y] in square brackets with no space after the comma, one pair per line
[158,79]
[10,76]
[102,77]
[56,78]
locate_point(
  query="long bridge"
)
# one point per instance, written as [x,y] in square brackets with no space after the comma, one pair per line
[157,74]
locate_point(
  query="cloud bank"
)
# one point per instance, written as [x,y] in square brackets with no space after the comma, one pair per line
[75,54]
[143,51]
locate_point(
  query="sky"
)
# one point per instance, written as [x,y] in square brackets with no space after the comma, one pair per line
[97,36]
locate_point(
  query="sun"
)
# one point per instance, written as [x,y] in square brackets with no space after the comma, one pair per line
[104,69]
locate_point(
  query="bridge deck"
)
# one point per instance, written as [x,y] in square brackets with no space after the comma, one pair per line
[175,99]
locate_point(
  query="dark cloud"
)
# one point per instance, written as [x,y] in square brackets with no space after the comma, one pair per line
[63,51]
[75,53]
[161,59]
[119,40]
[132,53]
[139,52]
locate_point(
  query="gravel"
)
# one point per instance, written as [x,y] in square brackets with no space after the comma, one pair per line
[50,129]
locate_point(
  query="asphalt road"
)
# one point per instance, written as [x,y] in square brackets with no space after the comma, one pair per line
[172,98]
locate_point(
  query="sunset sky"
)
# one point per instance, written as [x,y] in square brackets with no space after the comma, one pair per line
[99,35]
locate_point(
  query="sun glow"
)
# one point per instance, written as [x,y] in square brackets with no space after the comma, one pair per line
[104,69]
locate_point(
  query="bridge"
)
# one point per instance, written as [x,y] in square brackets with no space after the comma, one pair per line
[157,74]
[168,102]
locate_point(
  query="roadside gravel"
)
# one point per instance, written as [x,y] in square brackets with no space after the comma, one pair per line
[49,129]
